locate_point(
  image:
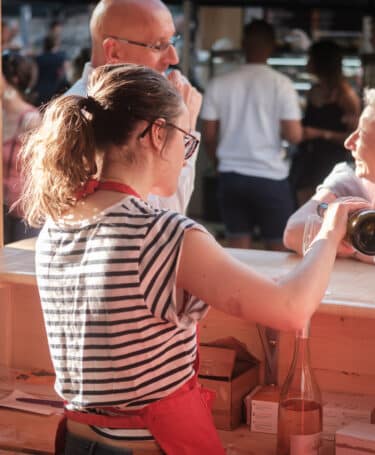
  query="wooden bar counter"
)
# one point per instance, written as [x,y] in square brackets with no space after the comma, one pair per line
[342,338]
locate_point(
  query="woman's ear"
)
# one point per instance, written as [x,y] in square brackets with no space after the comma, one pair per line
[111,51]
[158,133]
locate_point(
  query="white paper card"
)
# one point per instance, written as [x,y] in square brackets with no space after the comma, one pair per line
[13,401]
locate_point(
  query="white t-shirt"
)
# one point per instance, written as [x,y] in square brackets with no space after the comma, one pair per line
[180,200]
[342,182]
[249,103]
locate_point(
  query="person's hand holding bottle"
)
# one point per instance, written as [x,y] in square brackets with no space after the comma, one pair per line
[335,219]
[345,248]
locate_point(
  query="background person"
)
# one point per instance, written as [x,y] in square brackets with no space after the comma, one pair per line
[247,113]
[10,36]
[51,63]
[142,32]
[345,180]
[19,117]
[120,284]
[78,63]
[332,112]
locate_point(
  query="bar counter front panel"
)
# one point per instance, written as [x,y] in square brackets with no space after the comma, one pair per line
[342,338]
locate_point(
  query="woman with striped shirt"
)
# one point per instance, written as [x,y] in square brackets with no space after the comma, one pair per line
[123,285]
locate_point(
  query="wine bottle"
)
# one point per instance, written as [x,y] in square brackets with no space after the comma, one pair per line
[300,408]
[360,232]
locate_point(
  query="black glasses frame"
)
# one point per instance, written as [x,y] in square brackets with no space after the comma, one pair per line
[190,141]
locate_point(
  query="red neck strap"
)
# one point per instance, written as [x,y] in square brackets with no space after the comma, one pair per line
[93,185]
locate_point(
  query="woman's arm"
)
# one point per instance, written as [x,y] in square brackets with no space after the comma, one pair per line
[352,107]
[207,271]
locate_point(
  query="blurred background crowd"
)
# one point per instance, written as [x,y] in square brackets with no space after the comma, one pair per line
[45,46]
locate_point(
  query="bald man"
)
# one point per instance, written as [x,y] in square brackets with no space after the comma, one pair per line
[142,32]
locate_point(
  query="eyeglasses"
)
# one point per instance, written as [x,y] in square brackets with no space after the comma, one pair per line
[159,47]
[190,141]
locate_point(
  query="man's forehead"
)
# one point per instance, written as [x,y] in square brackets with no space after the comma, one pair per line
[141,22]
[368,114]
[367,121]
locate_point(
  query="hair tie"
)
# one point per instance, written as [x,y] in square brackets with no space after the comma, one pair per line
[89,104]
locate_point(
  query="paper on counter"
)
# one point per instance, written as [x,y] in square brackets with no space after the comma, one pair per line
[10,401]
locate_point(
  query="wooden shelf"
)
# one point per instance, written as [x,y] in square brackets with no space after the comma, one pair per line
[243,442]
[27,432]
[32,433]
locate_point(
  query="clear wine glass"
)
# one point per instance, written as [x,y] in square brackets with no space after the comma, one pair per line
[312,227]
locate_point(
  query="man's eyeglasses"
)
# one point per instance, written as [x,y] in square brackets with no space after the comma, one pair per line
[190,141]
[159,47]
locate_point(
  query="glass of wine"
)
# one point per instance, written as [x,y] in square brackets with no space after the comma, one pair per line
[312,227]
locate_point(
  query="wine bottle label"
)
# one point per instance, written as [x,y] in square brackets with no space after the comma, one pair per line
[305,444]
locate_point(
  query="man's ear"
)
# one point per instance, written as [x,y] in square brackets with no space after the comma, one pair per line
[111,51]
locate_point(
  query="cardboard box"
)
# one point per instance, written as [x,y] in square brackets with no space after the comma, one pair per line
[227,368]
[341,409]
[262,408]
[356,438]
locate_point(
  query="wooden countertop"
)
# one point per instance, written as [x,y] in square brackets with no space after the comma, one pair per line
[351,291]
[17,266]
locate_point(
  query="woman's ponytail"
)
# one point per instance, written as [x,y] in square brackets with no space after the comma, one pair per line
[58,158]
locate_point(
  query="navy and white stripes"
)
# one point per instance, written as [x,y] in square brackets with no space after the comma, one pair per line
[120,333]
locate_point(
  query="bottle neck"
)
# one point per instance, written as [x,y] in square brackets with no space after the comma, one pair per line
[304,333]
[300,382]
[301,357]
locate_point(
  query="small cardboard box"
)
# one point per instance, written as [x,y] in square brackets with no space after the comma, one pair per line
[262,408]
[356,438]
[340,409]
[227,368]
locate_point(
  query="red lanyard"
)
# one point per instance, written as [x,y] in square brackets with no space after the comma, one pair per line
[93,185]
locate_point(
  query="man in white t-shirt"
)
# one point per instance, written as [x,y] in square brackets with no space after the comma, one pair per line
[142,32]
[247,114]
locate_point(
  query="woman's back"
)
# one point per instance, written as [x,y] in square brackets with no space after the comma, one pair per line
[324,113]
[113,314]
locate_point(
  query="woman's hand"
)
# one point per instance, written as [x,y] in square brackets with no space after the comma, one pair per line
[336,219]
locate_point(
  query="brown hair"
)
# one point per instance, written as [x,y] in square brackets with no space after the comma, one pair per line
[326,62]
[20,72]
[62,154]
